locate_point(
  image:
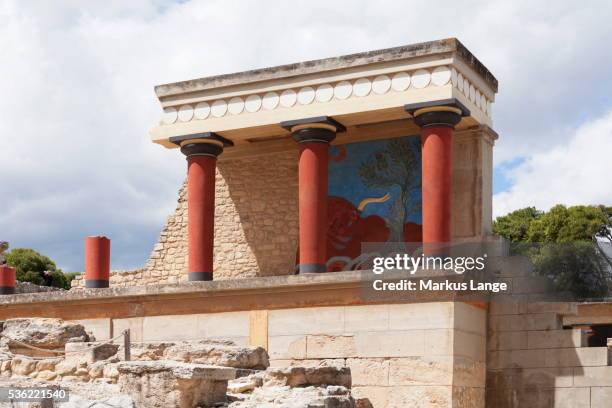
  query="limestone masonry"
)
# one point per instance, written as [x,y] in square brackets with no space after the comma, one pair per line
[259,292]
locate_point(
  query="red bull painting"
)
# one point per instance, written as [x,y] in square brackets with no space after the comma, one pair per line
[374,196]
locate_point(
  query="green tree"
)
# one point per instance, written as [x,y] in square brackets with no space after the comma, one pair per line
[36,268]
[563,245]
[515,226]
[562,224]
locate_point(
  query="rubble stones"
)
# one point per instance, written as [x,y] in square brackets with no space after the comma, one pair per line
[287,397]
[206,373]
[43,333]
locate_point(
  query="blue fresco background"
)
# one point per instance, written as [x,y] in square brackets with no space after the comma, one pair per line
[345,180]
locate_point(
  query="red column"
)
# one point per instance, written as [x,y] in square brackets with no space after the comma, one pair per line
[97,262]
[313,136]
[437,125]
[313,206]
[202,151]
[437,152]
[7,280]
[201,220]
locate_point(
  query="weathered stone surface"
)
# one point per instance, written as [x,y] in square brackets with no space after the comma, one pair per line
[90,352]
[165,383]
[118,401]
[307,376]
[177,369]
[217,354]
[285,396]
[369,371]
[28,287]
[244,384]
[221,353]
[82,395]
[23,366]
[426,370]
[420,397]
[325,346]
[44,333]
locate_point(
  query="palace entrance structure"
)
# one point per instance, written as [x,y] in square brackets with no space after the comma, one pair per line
[423,110]
[290,170]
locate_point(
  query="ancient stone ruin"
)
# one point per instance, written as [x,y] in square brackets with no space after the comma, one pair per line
[45,352]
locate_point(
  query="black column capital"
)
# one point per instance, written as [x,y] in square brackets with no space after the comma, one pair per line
[447,112]
[201,144]
[320,129]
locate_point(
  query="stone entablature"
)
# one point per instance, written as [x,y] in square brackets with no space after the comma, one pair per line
[356,89]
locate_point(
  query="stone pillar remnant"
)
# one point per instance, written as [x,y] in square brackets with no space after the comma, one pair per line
[7,280]
[97,262]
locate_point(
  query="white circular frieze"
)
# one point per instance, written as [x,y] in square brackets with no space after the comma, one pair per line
[466,87]
[454,76]
[170,115]
[288,98]
[381,84]
[270,100]
[235,105]
[306,95]
[324,93]
[400,81]
[218,108]
[472,93]
[252,103]
[441,75]
[202,110]
[343,90]
[362,87]
[185,113]
[478,99]
[460,82]
[421,78]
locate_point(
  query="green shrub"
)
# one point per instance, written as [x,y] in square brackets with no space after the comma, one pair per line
[562,244]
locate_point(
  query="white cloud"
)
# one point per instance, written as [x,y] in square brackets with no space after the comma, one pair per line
[577,172]
[76,83]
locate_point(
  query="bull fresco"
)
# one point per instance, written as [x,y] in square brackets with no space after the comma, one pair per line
[374,196]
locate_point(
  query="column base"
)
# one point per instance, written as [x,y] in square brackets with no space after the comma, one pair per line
[96,283]
[200,276]
[311,268]
[7,290]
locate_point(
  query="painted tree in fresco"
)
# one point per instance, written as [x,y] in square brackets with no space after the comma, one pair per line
[396,165]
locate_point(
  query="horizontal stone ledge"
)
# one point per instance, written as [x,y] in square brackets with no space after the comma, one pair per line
[178,369]
[351,278]
[356,280]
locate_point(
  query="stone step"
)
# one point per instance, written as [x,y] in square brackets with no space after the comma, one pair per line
[173,384]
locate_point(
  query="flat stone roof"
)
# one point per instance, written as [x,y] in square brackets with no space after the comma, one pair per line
[329,64]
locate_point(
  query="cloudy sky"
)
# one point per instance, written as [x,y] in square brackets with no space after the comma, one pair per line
[76,99]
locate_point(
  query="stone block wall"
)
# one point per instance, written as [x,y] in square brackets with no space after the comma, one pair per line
[425,354]
[256,222]
[532,360]
[256,225]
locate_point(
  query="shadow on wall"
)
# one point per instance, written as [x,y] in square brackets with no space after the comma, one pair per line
[532,359]
[256,231]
